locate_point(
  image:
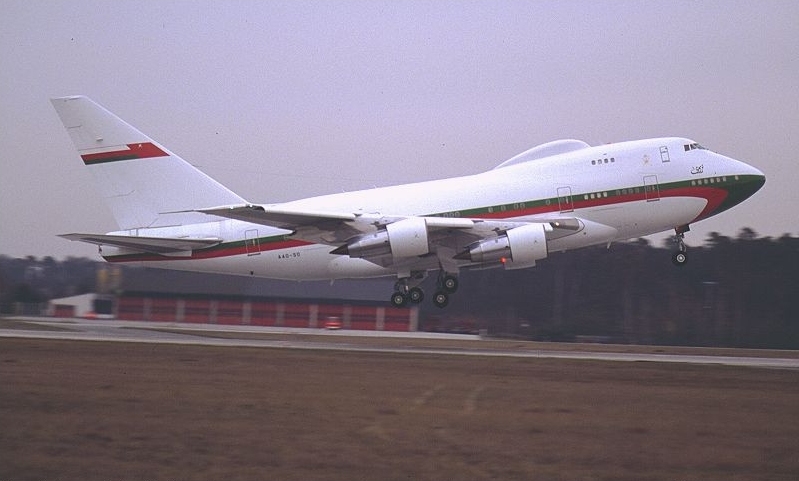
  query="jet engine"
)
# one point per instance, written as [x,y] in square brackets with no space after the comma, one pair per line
[516,249]
[404,238]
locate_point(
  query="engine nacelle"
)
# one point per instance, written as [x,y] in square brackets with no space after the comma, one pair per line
[404,238]
[517,249]
[408,237]
[528,244]
[490,250]
[367,245]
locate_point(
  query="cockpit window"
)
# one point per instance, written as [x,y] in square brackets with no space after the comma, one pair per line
[693,146]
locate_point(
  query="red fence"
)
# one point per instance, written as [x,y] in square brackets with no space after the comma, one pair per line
[229,312]
[261,313]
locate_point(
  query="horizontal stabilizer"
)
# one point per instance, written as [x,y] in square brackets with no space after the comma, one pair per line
[150,245]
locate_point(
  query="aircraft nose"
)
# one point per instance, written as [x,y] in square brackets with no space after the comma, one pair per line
[748,182]
[756,172]
[758,181]
[743,182]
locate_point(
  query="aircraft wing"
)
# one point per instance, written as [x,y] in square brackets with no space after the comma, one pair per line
[295,219]
[150,245]
[410,237]
[316,227]
[276,217]
[298,221]
[333,228]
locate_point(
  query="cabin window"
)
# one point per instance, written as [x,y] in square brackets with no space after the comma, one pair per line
[693,146]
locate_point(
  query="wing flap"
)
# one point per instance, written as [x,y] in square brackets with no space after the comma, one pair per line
[150,245]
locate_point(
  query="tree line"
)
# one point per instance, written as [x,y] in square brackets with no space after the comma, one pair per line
[737,292]
[32,280]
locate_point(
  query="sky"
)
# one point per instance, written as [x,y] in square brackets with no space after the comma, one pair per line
[283,100]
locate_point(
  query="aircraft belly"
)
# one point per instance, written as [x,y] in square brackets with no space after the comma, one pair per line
[344,267]
[641,218]
[305,263]
[312,262]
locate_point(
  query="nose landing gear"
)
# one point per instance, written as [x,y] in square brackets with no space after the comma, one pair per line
[680,258]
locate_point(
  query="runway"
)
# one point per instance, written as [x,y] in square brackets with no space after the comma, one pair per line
[371,341]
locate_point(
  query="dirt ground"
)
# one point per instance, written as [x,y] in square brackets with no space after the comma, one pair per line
[91,410]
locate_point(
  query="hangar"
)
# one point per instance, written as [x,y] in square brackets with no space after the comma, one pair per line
[173,296]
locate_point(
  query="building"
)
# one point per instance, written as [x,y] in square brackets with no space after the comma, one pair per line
[84,305]
[173,296]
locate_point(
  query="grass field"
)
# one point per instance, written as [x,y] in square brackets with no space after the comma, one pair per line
[89,410]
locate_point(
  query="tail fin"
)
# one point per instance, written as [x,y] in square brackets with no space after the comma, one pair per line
[139,179]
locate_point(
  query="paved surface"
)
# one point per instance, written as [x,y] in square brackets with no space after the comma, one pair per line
[317,339]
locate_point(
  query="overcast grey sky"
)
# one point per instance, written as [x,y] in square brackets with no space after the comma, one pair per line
[280,100]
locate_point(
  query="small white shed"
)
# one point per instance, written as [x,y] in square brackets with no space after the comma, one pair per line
[83,305]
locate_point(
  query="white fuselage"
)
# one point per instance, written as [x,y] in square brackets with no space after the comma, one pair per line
[620,191]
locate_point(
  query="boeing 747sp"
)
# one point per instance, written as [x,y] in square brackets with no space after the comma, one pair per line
[555,197]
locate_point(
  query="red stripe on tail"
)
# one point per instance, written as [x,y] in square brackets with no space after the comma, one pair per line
[144,150]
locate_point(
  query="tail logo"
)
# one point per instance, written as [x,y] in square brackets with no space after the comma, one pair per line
[144,150]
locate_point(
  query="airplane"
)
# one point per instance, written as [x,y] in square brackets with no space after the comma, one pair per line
[555,197]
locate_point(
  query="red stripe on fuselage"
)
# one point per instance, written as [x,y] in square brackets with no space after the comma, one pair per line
[143,150]
[714,196]
[212,253]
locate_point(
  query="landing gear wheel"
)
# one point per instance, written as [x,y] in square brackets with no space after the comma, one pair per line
[679,258]
[399,299]
[416,295]
[449,284]
[441,299]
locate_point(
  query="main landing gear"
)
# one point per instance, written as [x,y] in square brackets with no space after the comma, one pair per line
[447,284]
[680,258]
[408,291]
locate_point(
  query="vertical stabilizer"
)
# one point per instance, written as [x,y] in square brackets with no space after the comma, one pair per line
[139,179]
